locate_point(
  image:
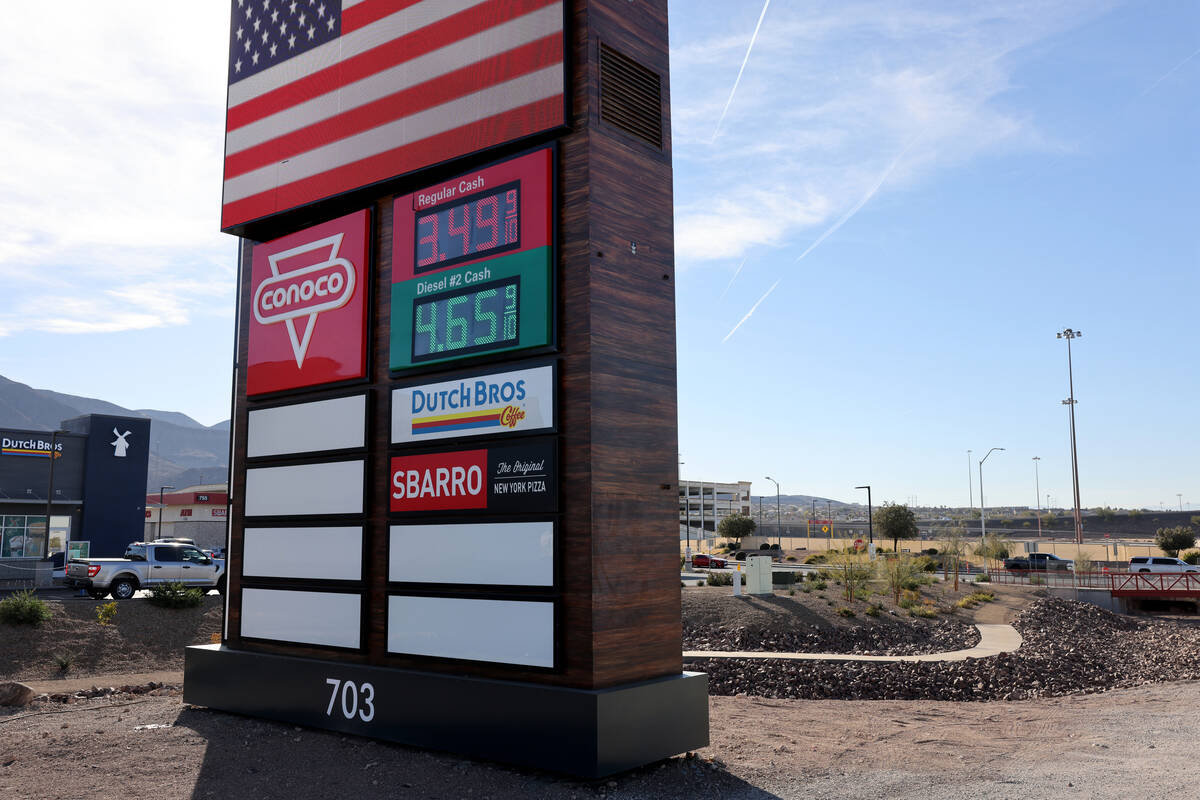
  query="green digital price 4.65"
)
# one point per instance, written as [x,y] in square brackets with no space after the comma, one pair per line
[470,320]
[490,307]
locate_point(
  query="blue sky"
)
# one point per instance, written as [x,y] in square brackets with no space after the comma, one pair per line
[910,198]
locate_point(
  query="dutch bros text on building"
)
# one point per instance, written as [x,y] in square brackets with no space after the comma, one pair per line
[440,481]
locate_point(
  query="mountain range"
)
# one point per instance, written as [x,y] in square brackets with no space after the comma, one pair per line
[182,451]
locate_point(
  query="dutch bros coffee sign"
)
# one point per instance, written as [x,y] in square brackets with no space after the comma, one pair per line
[308,308]
[518,401]
[518,478]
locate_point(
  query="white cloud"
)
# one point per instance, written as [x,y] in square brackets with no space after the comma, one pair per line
[110,165]
[831,93]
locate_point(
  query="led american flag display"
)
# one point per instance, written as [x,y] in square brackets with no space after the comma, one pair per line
[326,96]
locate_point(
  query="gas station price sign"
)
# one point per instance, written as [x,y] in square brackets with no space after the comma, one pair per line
[471,263]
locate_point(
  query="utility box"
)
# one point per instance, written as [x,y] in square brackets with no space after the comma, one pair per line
[758,575]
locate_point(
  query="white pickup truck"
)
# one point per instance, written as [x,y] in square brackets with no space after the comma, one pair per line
[144,565]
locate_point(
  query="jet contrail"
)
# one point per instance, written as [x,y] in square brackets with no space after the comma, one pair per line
[865,199]
[750,313]
[738,80]
[845,218]
[737,272]
[1168,73]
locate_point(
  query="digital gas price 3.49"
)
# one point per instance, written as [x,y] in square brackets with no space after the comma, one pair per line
[471,320]
[475,226]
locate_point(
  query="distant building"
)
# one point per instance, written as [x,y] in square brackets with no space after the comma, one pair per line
[703,504]
[195,512]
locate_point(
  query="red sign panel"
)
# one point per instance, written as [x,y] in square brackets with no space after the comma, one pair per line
[308,308]
[323,103]
[440,481]
[500,209]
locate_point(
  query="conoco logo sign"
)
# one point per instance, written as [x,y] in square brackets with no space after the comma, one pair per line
[304,292]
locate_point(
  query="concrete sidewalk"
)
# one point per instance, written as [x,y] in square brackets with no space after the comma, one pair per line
[993,640]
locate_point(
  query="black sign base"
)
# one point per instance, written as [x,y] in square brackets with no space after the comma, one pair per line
[581,732]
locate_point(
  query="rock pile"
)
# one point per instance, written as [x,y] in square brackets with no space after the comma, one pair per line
[901,638]
[1069,648]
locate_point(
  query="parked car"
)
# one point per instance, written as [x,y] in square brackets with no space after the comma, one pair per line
[1039,561]
[145,565]
[1157,564]
[706,560]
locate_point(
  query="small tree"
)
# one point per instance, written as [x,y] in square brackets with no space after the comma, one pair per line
[953,547]
[897,571]
[853,569]
[993,546]
[736,526]
[895,522]
[1172,540]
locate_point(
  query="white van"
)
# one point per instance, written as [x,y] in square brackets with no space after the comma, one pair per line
[1158,564]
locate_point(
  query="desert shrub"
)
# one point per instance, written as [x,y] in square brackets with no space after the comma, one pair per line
[64,660]
[24,608]
[932,551]
[774,546]
[966,602]
[174,594]
[909,598]
[845,612]
[983,578]
[924,612]
[815,558]
[1191,556]
[872,610]
[791,592]
[790,558]
[106,613]
[925,564]
[981,597]
[764,546]
[911,584]
[819,585]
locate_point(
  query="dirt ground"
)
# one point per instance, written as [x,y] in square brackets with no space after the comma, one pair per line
[1138,740]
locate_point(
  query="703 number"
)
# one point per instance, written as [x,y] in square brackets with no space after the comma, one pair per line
[353,695]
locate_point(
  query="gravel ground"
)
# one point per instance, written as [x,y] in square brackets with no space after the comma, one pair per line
[1130,742]
[1069,648]
[713,619]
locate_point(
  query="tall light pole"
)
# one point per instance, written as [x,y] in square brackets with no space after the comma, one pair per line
[982,511]
[778,517]
[970,483]
[1180,496]
[1069,334]
[870,521]
[161,489]
[1037,493]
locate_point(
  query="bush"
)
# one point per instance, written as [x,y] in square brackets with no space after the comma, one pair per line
[1036,580]
[981,597]
[872,610]
[64,660]
[925,612]
[106,613]
[24,608]
[174,594]
[764,546]
[983,578]
[820,586]
[909,598]
[815,558]
[774,546]
[845,612]
[925,564]
[1172,540]
[1191,556]
[790,558]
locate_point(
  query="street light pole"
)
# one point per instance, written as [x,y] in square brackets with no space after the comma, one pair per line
[1037,493]
[778,516]
[161,489]
[1069,334]
[870,515]
[982,511]
[970,483]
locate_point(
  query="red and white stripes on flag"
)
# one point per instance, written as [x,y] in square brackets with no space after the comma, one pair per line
[407,84]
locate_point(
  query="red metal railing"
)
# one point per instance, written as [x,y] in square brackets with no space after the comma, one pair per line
[1121,584]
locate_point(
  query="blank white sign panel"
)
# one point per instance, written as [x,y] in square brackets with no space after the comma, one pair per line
[322,618]
[307,427]
[334,487]
[497,553]
[320,553]
[498,631]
